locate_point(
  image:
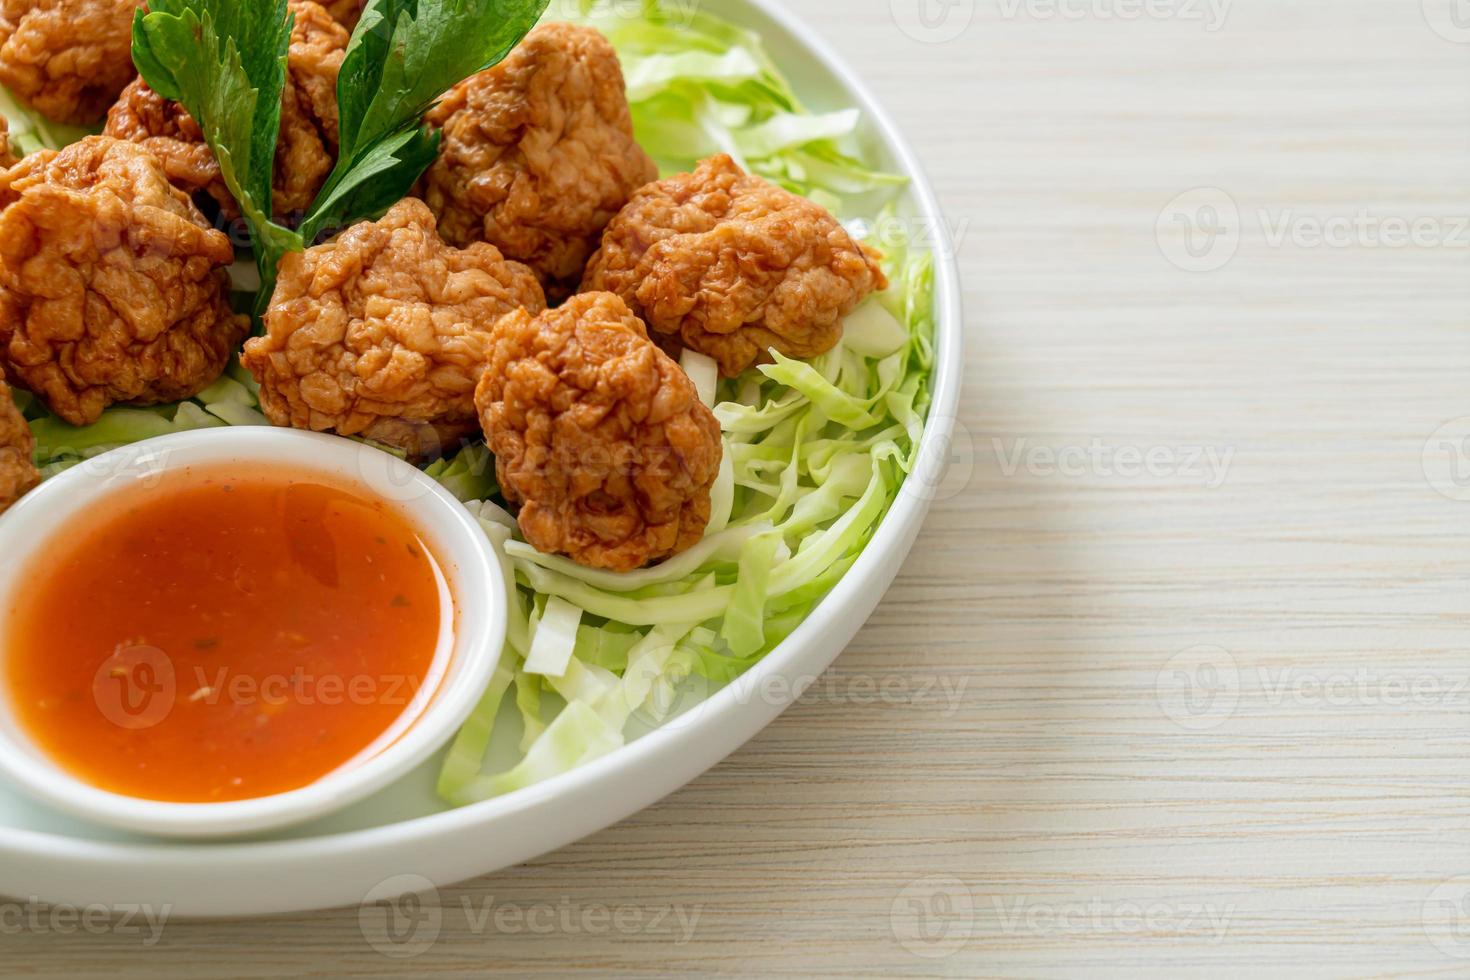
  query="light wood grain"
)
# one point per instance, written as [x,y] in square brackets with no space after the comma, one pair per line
[1089,832]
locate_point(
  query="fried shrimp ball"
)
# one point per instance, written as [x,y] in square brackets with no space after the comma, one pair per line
[307,148]
[112,286]
[67,58]
[598,435]
[17,473]
[384,332]
[538,153]
[730,265]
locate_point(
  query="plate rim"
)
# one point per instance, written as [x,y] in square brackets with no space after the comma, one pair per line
[72,863]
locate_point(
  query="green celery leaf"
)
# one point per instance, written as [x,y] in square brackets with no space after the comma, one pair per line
[225,62]
[381,177]
[405,54]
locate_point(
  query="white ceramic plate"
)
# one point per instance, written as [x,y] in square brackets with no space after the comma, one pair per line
[404,839]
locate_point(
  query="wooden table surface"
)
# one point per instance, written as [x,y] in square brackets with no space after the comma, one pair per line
[1177,681]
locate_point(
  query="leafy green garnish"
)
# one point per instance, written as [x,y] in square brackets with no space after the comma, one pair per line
[379,178]
[225,62]
[403,56]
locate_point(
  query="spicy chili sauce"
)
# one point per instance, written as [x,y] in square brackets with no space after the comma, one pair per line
[222,636]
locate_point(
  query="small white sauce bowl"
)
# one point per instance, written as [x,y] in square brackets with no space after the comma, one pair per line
[472,624]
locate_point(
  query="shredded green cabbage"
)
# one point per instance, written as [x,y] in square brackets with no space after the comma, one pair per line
[815,453]
[701,85]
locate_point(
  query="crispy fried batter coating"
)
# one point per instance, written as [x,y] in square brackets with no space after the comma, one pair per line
[598,435]
[384,332]
[17,472]
[112,286]
[538,153]
[67,58]
[307,148]
[730,265]
[168,132]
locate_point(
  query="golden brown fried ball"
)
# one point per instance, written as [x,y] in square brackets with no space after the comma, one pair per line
[730,265]
[598,435]
[17,473]
[112,286]
[538,153]
[307,148]
[383,332]
[67,58]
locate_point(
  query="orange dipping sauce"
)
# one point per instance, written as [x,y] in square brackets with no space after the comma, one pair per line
[223,635]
